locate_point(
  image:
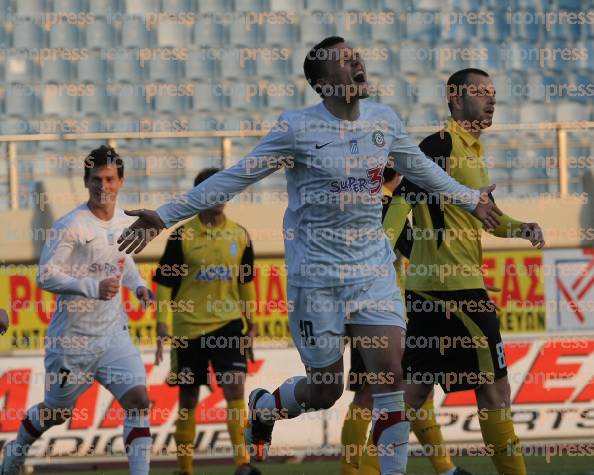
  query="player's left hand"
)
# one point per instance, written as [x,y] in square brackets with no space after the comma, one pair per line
[142,231]
[145,296]
[487,211]
[533,232]
[3,321]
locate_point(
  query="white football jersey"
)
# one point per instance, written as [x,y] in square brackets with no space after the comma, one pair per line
[332,227]
[80,251]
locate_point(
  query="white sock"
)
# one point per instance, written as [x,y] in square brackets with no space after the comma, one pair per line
[281,404]
[30,429]
[390,432]
[137,441]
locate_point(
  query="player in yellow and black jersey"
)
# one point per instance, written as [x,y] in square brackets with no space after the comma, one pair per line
[206,273]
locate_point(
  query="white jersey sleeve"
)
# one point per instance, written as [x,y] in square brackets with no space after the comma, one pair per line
[55,265]
[411,162]
[269,155]
[131,277]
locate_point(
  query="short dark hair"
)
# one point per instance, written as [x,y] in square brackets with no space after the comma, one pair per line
[313,66]
[204,174]
[459,79]
[389,173]
[103,156]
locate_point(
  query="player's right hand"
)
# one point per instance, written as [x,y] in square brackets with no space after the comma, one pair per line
[109,288]
[142,231]
[161,335]
[487,211]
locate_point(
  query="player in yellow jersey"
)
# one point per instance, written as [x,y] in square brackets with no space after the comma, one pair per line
[206,272]
[446,298]
[358,417]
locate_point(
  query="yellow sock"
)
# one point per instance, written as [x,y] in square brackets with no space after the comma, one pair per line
[352,438]
[236,419]
[428,431]
[185,432]
[369,461]
[499,436]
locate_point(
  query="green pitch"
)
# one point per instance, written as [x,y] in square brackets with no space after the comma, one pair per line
[416,466]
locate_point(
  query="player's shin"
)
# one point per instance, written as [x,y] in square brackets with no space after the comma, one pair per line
[281,403]
[137,440]
[390,432]
[33,425]
[428,432]
[501,440]
[185,433]
[353,436]
[236,421]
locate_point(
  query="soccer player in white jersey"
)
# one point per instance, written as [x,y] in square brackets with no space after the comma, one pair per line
[88,337]
[340,273]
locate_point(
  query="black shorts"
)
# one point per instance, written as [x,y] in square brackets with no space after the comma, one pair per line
[225,349]
[452,339]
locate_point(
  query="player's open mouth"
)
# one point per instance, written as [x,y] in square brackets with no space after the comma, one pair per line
[359,77]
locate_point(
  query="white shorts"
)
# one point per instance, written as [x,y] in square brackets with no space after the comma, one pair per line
[118,369]
[318,316]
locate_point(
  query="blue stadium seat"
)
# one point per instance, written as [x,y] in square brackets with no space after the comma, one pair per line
[20,101]
[100,34]
[313,31]
[423,116]
[399,92]
[505,114]
[99,103]
[419,29]
[57,70]
[92,70]
[135,34]
[509,87]
[126,123]
[324,5]
[415,58]
[199,65]
[398,5]
[287,5]
[172,34]
[14,126]
[171,104]
[214,6]
[535,113]
[4,9]
[240,98]
[430,91]
[380,67]
[289,98]
[283,35]
[31,8]
[141,7]
[496,31]
[521,56]
[241,35]
[164,70]
[310,98]
[209,33]
[358,34]
[465,5]
[208,97]
[570,111]
[68,6]
[104,7]
[275,69]
[447,57]
[357,5]
[235,70]
[555,63]
[130,100]
[526,30]
[580,82]
[460,30]
[64,35]
[387,32]
[177,6]
[558,31]
[502,178]
[57,102]
[28,35]
[128,69]
[204,123]
[19,69]
[586,62]
[490,61]
[538,85]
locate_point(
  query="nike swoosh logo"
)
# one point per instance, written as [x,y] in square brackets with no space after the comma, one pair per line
[318,147]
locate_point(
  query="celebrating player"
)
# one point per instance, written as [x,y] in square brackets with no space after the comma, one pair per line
[207,270]
[334,154]
[445,290]
[88,338]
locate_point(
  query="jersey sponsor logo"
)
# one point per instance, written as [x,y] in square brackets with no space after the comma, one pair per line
[354,147]
[318,147]
[106,267]
[378,138]
[212,273]
[233,248]
[351,183]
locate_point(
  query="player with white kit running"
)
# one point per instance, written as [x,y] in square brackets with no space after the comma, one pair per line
[88,337]
[341,278]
